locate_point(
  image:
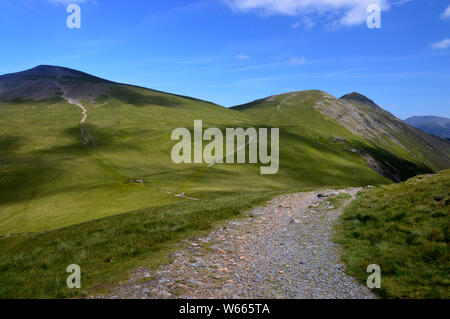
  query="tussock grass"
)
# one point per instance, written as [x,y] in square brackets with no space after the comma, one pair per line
[404,228]
[339,200]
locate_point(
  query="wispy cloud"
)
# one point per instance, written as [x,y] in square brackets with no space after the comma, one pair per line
[294,61]
[201,60]
[297,60]
[446,13]
[242,57]
[441,45]
[396,3]
[342,74]
[306,22]
[258,66]
[344,12]
[66,2]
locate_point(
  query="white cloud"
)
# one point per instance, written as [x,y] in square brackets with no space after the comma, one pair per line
[67,2]
[305,21]
[345,12]
[441,45]
[297,61]
[296,25]
[242,57]
[446,13]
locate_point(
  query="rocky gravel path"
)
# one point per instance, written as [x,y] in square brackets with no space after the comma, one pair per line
[281,250]
[73,102]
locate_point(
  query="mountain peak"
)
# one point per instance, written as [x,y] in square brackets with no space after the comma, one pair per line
[47,81]
[50,71]
[357,97]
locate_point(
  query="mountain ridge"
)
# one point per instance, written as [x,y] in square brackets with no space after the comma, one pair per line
[364,118]
[60,172]
[360,98]
[51,71]
[67,77]
[436,125]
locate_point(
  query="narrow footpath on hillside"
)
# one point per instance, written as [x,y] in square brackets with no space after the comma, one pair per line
[231,153]
[73,101]
[281,250]
[284,101]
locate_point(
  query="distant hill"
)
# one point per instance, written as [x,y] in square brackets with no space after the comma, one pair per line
[439,126]
[388,145]
[46,82]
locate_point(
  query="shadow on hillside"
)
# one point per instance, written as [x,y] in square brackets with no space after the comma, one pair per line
[133,96]
[23,175]
[27,176]
[393,166]
[10,143]
[98,138]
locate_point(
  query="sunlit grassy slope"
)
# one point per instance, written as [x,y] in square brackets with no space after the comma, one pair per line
[296,115]
[66,195]
[49,179]
[108,249]
[404,228]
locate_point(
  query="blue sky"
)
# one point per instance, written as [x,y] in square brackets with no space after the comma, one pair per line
[234,51]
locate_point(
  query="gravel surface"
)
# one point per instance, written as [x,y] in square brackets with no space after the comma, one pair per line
[281,250]
[73,101]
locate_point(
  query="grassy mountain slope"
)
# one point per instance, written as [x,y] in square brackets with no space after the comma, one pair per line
[108,249]
[50,177]
[390,133]
[392,148]
[70,184]
[56,172]
[404,228]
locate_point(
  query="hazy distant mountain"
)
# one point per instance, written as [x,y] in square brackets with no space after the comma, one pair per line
[435,125]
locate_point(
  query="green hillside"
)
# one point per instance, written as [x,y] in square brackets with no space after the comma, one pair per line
[51,177]
[101,192]
[390,133]
[404,228]
[108,249]
[317,117]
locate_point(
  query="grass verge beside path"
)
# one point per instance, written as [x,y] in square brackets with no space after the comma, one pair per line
[404,228]
[34,265]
